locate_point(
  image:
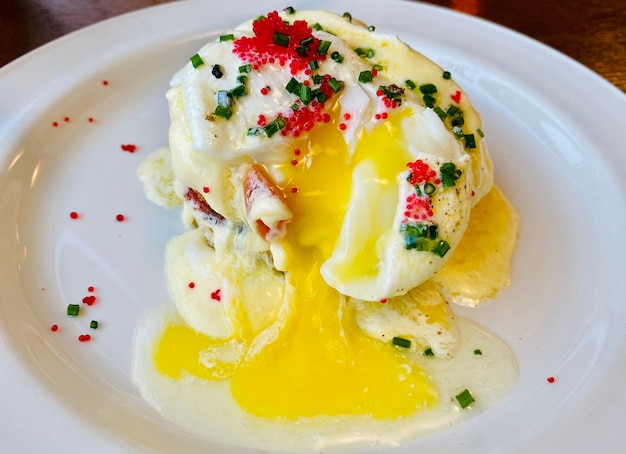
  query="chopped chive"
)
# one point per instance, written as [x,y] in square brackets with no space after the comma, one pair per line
[478,352]
[441,248]
[319,95]
[465,398]
[429,188]
[196,61]
[242,79]
[410,84]
[400,342]
[274,126]
[256,131]
[449,174]
[305,93]
[421,237]
[281,39]
[245,69]
[223,111]
[316,26]
[371,28]
[453,110]
[370,53]
[377,67]
[429,352]
[223,98]
[446,75]
[360,52]
[270,129]
[302,51]
[73,309]
[480,132]
[292,86]
[428,89]
[348,16]
[238,91]
[317,79]
[366,77]
[414,230]
[470,141]
[313,65]
[322,48]
[93,324]
[393,92]
[429,101]
[290,10]
[335,85]
[304,42]
[337,57]
[229,37]
[458,121]
[439,111]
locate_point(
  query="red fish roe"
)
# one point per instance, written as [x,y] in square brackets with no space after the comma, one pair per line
[90,120]
[84,338]
[456,97]
[54,327]
[120,218]
[105,82]
[383,301]
[294,190]
[305,118]
[550,379]
[206,189]
[91,289]
[192,284]
[418,208]
[217,295]
[74,215]
[420,172]
[265,91]
[130,148]
[66,119]
[89,300]
[55,124]
[262,48]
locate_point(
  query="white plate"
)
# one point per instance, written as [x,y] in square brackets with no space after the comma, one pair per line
[555,131]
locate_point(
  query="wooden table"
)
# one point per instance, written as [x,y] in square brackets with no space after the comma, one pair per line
[590,31]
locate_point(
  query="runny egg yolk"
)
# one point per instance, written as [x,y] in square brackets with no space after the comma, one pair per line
[322,363]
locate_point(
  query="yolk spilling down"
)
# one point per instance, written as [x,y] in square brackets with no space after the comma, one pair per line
[322,363]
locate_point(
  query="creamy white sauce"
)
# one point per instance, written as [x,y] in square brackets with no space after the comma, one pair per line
[207,407]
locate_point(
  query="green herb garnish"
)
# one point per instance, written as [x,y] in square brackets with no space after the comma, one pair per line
[281,39]
[400,342]
[196,61]
[366,77]
[465,398]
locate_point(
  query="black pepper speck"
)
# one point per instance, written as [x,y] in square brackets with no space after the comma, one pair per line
[217,71]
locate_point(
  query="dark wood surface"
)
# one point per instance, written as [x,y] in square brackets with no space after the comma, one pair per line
[590,31]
